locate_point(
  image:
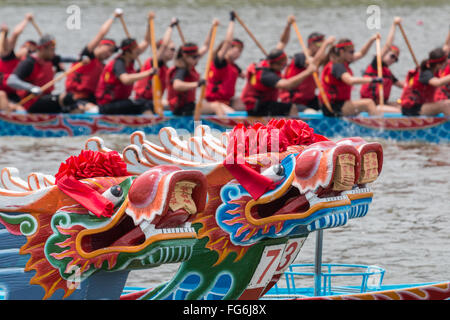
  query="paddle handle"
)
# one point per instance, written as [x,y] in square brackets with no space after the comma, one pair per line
[181,34]
[2,38]
[250,34]
[315,75]
[157,105]
[127,33]
[198,106]
[379,70]
[408,44]
[36,27]
[52,82]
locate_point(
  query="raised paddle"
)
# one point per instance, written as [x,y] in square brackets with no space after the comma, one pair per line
[127,33]
[198,106]
[250,33]
[183,41]
[408,44]
[315,75]
[379,69]
[52,82]
[156,81]
[2,38]
[36,27]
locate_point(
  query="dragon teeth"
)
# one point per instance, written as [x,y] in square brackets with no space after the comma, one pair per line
[149,229]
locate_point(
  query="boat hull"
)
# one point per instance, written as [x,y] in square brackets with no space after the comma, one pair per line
[397,128]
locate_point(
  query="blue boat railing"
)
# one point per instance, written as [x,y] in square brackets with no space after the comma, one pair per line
[357,279]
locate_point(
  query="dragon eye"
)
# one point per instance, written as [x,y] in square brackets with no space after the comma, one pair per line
[116,191]
[278,169]
[114,194]
[275,172]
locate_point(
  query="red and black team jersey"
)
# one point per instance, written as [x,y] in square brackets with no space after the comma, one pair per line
[221,82]
[306,90]
[370,90]
[336,89]
[37,72]
[7,66]
[110,88]
[143,88]
[83,81]
[443,92]
[178,99]
[417,91]
[260,84]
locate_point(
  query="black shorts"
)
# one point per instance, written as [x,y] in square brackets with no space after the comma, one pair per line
[313,104]
[126,106]
[337,109]
[88,99]
[270,108]
[13,97]
[186,110]
[413,111]
[50,104]
[146,104]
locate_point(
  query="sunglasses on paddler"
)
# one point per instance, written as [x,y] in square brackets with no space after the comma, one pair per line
[393,57]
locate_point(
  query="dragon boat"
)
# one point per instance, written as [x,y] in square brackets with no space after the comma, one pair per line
[391,127]
[234,210]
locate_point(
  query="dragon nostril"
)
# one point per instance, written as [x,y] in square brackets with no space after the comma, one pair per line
[307,163]
[144,188]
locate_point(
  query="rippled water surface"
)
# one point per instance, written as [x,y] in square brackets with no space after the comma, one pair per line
[407,228]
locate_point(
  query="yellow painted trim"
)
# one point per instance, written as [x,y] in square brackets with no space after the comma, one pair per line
[291,216]
[117,217]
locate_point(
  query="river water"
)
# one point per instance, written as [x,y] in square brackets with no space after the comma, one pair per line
[406,229]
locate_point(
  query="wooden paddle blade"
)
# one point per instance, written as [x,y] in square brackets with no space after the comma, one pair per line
[379,70]
[157,95]
[198,106]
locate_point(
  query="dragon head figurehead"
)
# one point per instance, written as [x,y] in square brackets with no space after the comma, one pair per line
[211,202]
[265,183]
[69,239]
[302,183]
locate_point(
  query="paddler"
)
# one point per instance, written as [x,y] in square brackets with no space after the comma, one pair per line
[9,59]
[304,95]
[116,82]
[443,92]
[389,55]
[165,52]
[82,83]
[418,94]
[264,80]
[224,72]
[183,81]
[337,80]
[35,71]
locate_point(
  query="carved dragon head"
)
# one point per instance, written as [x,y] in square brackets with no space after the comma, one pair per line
[67,243]
[308,183]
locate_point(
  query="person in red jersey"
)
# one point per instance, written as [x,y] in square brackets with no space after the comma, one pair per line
[418,94]
[264,80]
[304,95]
[116,82]
[165,52]
[389,55]
[443,92]
[82,83]
[34,72]
[183,81]
[224,72]
[337,80]
[9,59]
